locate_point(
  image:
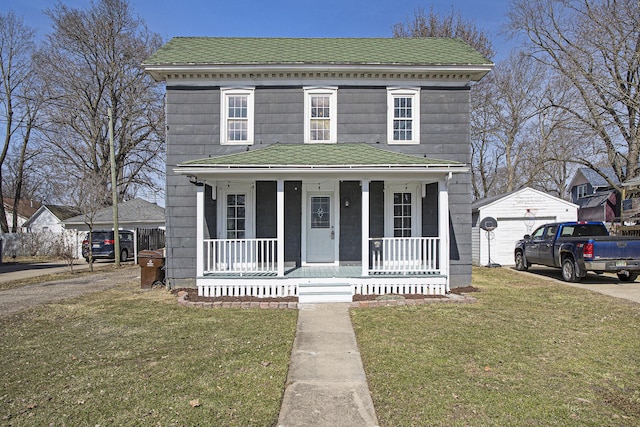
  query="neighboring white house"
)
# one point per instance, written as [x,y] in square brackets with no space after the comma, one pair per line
[49,218]
[26,208]
[517,213]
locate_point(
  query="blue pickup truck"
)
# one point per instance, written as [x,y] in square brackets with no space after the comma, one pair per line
[579,247]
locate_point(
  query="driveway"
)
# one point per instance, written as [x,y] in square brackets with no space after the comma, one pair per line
[607,284]
[22,298]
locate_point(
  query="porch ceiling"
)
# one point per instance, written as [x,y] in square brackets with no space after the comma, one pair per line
[344,158]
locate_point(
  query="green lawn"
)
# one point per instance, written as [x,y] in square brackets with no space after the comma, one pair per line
[129,357]
[530,352]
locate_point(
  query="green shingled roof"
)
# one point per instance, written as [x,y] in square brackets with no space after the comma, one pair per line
[314,155]
[289,51]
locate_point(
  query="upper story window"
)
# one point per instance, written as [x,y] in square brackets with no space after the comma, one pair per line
[581,191]
[236,125]
[320,115]
[403,116]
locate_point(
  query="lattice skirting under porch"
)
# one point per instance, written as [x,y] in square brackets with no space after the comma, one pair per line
[278,288]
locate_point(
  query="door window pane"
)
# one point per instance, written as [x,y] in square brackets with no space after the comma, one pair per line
[320,212]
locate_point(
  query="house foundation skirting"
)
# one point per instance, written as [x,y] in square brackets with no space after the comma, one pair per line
[278,287]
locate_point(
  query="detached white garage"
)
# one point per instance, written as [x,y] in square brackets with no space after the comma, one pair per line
[516,213]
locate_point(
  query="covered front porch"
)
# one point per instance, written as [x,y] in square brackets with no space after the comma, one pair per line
[322,283]
[322,232]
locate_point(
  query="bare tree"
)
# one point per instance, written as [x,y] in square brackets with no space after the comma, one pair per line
[505,108]
[92,62]
[593,49]
[452,25]
[16,47]
[90,198]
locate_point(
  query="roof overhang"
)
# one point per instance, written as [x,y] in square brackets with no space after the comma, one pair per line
[200,173]
[166,72]
[343,161]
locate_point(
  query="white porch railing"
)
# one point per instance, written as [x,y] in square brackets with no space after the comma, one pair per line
[405,255]
[240,256]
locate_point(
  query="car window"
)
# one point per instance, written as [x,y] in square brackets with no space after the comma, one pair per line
[99,235]
[550,232]
[538,233]
[567,231]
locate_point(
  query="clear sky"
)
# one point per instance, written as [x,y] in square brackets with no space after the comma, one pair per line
[282,18]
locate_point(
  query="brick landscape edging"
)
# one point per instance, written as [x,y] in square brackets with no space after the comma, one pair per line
[451,298]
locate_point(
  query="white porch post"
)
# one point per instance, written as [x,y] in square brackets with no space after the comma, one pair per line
[443,228]
[199,230]
[365,227]
[280,226]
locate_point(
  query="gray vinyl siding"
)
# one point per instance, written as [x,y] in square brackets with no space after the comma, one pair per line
[279,115]
[193,128]
[362,115]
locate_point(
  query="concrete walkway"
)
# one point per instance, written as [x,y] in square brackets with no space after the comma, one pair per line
[326,385]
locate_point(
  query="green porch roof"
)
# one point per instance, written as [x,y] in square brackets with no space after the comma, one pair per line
[299,51]
[344,155]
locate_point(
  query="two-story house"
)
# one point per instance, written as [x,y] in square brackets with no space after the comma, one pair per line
[319,168]
[596,198]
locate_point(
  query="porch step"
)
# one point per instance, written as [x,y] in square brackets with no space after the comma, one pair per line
[324,292]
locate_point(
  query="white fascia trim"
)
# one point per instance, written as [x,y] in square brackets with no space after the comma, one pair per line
[322,170]
[159,72]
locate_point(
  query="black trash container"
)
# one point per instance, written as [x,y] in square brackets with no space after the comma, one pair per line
[151,268]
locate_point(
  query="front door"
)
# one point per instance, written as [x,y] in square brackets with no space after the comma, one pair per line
[320,228]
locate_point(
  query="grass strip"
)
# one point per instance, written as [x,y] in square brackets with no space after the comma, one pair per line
[529,352]
[133,357]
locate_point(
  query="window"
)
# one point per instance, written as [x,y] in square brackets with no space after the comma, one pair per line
[236,216]
[320,212]
[235,211]
[403,116]
[581,191]
[538,233]
[550,232]
[236,116]
[401,214]
[403,217]
[320,115]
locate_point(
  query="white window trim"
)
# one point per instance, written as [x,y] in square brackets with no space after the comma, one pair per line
[222,192]
[333,113]
[416,207]
[581,191]
[225,93]
[413,93]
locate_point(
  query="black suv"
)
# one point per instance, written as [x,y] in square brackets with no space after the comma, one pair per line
[102,245]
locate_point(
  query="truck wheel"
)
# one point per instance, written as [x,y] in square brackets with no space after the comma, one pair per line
[627,276]
[124,256]
[521,263]
[569,270]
